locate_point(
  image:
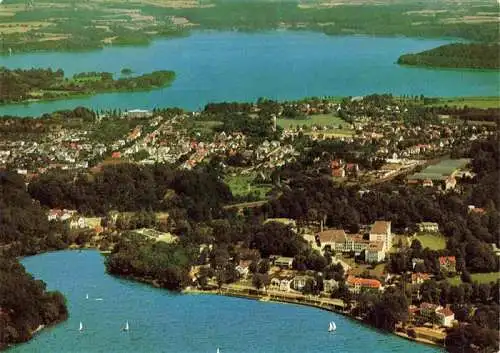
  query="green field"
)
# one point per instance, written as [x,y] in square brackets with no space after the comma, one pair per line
[336,126]
[318,120]
[242,185]
[206,126]
[477,277]
[472,102]
[432,241]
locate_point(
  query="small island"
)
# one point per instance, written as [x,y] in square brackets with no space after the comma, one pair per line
[456,55]
[42,84]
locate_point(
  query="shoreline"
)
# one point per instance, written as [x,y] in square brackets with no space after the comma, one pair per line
[264,297]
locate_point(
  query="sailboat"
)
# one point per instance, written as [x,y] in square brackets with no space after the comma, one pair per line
[218,350]
[126,327]
[81,327]
[332,326]
[87,296]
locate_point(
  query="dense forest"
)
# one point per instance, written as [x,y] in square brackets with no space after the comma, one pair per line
[21,85]
[457,55]
[24,302]
[129,187]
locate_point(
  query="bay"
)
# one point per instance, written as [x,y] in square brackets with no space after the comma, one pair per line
[164,322]
[232,66]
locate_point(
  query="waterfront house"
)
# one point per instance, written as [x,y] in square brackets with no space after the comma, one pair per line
[357,284]
[77,222]
[431,227]
[329,285]
[242,271]
[447,263]
[283,284]
[445,316]
[299,282]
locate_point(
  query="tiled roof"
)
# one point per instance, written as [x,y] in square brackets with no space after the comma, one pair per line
[332,236]
[380,227]
[364,282]
[443,260]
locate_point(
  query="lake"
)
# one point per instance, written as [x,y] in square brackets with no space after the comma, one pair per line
[164,322]
[232,66]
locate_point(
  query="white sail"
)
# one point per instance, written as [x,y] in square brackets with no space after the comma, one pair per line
[332,326]
[87,296]
[81,326]
[218,350]
[126,326]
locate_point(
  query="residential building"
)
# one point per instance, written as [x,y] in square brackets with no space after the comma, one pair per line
[419,277]
[242,271]
[329,285]
[299,282]
[283,262]
[448,263]
[381,232]
[356,284]
[431,227]
[445,316]
[375,252]
[77,222]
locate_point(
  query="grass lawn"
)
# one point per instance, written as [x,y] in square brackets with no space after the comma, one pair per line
[479,277]
[476,102]
[206,126]
[432,241]
[319,120]
[242,185]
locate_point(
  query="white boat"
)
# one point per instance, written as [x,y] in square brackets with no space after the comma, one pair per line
[87,296]
[332,326]
[218,350]
[126,327]
[81,327]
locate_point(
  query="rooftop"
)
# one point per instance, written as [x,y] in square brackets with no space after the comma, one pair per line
[332,236]
[380,227]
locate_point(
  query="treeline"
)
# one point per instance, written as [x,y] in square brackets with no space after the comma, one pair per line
[24,230]
[127,187]
[457,55]
[25,304]
[20,85]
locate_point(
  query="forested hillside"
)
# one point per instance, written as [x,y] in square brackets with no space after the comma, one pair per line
[457,55]
[24,302]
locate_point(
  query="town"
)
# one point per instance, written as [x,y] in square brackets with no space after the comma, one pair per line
[334,203]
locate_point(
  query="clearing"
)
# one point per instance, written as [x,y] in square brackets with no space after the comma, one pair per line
[432,241]
[479,277]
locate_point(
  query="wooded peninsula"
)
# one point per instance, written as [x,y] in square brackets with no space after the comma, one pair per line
[42,84]
[456,55]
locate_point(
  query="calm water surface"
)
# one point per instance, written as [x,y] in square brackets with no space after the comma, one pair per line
[230,66]
[164,322]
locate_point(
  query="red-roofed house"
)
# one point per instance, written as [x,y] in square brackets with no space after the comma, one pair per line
[447,263]
[419,277]
[116,155]
[356,284]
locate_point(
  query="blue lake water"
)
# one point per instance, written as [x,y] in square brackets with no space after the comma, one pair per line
[165,322]
[231,66]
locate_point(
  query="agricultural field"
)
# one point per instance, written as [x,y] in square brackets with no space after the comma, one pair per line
[476,277]
[471,102]
[432,241]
